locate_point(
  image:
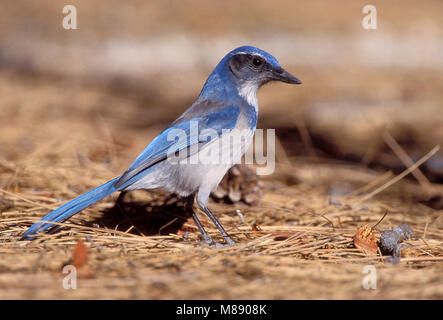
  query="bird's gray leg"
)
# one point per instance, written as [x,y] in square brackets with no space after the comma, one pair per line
[206,237]
[228,239]
[189,206]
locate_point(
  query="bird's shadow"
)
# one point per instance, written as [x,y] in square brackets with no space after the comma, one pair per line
[159,216]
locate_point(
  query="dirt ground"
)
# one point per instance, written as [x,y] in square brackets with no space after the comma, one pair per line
[67,126]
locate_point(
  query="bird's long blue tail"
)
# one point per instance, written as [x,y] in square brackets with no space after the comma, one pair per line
[72,207]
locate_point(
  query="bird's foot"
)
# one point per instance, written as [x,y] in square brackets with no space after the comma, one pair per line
[229,242]
[211,243]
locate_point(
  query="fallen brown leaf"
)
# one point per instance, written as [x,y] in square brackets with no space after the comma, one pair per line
[80,259]
[79,254]
[365,239]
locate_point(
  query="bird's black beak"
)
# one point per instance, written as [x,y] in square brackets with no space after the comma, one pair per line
[282,75]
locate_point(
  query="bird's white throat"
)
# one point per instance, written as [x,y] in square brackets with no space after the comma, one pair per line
[248,91]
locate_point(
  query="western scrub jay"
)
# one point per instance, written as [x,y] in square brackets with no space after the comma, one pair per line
[226,107]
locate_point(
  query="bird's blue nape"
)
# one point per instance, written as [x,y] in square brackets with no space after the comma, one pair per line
[227,106]
[255,51]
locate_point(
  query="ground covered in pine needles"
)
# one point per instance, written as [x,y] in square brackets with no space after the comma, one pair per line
[297,242]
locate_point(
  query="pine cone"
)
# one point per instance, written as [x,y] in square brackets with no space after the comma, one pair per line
[240,184]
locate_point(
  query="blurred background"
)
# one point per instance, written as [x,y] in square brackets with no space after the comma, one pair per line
[77,107]
[132,67]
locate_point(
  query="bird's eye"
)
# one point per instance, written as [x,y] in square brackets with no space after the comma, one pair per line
[257,62]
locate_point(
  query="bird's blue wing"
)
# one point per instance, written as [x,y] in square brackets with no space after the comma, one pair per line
[160,147]
[216,118]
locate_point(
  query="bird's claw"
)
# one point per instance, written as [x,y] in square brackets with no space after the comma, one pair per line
[211,243]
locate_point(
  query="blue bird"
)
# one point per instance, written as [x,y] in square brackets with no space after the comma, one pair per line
[226,109]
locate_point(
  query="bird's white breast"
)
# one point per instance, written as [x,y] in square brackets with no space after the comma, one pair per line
[248,91]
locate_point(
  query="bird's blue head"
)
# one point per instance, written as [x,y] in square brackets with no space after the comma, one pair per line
[246,68]
[252,64]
